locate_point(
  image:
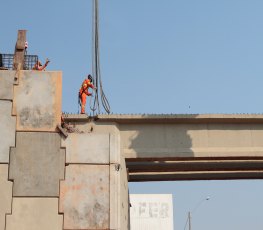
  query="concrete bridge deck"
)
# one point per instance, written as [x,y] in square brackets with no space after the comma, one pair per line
[185,146]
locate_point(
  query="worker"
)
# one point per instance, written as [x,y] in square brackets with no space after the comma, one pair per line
[38,66]
[84,92]
[26,46]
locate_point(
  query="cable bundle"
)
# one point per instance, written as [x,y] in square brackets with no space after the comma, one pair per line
[95,105]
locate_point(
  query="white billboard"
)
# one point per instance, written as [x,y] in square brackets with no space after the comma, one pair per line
[151,212]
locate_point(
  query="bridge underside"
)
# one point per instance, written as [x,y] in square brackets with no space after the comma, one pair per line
[194,169]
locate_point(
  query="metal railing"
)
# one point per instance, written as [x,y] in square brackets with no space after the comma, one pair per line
[6,61]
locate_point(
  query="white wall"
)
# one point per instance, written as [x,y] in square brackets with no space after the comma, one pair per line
[151,211]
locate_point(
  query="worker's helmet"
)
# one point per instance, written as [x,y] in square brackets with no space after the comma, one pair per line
[90,78]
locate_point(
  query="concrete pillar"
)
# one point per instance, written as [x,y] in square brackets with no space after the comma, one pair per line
[75,183]
[84,197]
[34,213]
[94,194]
[5,194]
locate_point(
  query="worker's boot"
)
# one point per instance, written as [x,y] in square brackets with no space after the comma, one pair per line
[82,110]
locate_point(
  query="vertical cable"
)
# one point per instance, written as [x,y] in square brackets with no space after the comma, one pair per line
[96,64]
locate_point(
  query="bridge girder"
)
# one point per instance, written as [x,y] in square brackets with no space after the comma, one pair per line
[185,147]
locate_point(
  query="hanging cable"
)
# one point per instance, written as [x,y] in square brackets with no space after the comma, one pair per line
[95,99]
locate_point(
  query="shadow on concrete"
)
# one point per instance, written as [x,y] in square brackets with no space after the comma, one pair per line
[157,137]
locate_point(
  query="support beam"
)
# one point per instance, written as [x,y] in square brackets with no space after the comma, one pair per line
[202,175]
[191,166]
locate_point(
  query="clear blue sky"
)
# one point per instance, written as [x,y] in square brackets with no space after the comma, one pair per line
[159,56]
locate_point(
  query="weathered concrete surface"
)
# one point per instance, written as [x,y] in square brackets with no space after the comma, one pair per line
[119,196]
[123,197]
[191,140]
[197,135]
[37,101]
[7,130]
[37,164]
[7,84]
[84,197]
[115,151]
[34,214]
[87,148]
[114,196]
[5,194]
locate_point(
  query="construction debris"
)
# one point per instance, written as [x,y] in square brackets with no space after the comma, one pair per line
[66,128]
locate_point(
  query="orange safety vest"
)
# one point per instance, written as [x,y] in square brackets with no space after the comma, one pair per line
[85,86]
